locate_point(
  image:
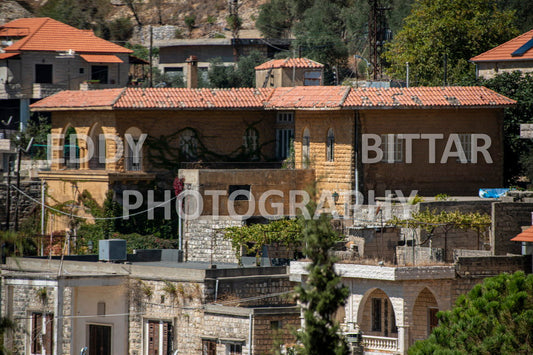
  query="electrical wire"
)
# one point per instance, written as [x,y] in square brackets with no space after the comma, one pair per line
[91,217]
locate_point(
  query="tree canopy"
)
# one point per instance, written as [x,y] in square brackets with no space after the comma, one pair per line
[517,157]
[322,294]
[455,29]
[495,317]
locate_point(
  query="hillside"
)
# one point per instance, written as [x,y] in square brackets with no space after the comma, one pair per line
[209,15]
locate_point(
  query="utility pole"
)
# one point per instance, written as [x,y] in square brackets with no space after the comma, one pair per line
[233,9]
[377,27]
[151,57]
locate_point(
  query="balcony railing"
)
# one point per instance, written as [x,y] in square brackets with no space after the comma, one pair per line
[380,343]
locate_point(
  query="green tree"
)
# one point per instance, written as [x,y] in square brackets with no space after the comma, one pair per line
[321,295]
[495,317]
[245,71]
[242,75]
[457,29]
[275,19]
[517,151]
[190,21]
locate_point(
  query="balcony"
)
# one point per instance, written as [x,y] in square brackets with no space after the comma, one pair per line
[10,91]
[44,90]
[89,85]
[380,344]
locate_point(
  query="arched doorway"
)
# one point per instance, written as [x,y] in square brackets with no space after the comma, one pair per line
[376,315]
[424,315]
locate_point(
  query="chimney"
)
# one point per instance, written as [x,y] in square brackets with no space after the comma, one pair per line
[192,72]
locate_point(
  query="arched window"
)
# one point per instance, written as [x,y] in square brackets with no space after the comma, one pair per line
[305,148]
[250,142]
[134,154]
[71,149]
[188,145]
[98,155]
[330,146]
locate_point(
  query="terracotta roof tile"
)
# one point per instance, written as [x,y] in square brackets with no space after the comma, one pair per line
[503,52]
[46,34]
[303,97]
[8,55]
[525,236]
[168,98]
[101,58]
[425,97]
[308,97]
[290,63]
[79,99]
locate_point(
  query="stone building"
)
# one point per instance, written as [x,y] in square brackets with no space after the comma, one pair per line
[394,306]
[289,72]
[515,54]
[422,131]
[151,305]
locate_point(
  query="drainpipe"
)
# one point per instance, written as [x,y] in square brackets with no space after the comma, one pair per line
[250,348]
[356,158]
[216,290]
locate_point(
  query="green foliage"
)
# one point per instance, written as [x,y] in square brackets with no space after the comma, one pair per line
[495,317]
[17,244]
[38,128]
[517,151]
[321,295]
[415,200]
[234,23]
[243,75]
[141,51]
[211,19]
[459,29]
[190,21]
[275,19]
[286,232]
[430,219]
[442,197]
[120,30]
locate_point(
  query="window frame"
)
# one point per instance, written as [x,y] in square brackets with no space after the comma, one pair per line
[397,151]
[306,148]
[376,316]
[330,146]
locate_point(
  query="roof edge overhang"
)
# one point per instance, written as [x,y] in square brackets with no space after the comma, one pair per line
[89,108]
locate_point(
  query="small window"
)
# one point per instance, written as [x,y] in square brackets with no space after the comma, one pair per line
[43,73]
[284,138]
[243,194]
[392,148]
[306,141]
[466,145]
[285,117]
[82,70]
[100,73]
[250,141]
[275,324]
[376,314]
[209,347]
[188,145]
[312,78]
[173,72]
[330,146]
[233,349]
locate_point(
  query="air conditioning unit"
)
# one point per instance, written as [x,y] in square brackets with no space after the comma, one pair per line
[113,250]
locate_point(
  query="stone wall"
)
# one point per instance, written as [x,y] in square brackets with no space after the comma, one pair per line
[507,221]
[204,240]
[26,206]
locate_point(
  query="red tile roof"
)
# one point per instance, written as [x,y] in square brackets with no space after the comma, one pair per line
[70,99]
[503,51]
[172,98]
[525,236]
[425,97]
[290,63]
[303,97]
[46,34]
[8,55]
[309,97]
[101,58]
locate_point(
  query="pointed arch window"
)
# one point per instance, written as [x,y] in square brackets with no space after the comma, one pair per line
[330,146]
[71,149]
[188,145]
